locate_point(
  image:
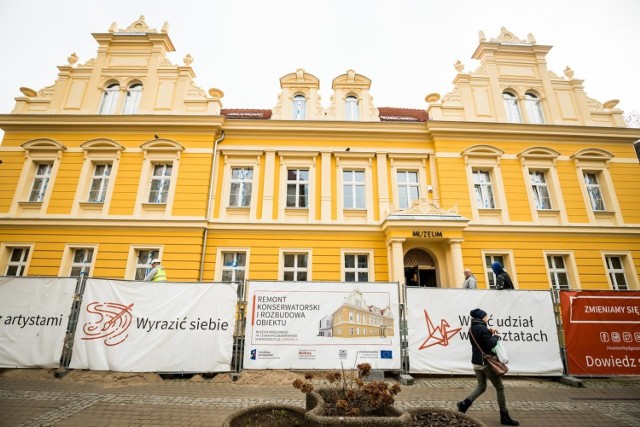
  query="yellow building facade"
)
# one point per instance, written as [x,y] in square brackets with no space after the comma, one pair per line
[124,159]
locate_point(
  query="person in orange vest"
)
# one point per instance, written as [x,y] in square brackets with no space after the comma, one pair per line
[157,273]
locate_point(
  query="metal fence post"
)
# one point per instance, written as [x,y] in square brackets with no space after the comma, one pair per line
[67,348]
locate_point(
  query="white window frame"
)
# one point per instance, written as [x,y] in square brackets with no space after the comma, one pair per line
[570,269]
[404,188]
[42,176]
[538,184]
[543,160]
[533,106]
[293,251]
[132,259]
[297,160]
[160,182]
[507,265]
[68,263]
[244,184]
[351,108]
[110,98]
[596,161]
[352,161]
[628,270]
[132,98]
[354,186]
[298,183]
[102,179]
[158,152]
[6,251]
[219,272]
[486,158]
[356,252]
[299,107]
[483,190]
[37,151]
[408,162]
[511,106]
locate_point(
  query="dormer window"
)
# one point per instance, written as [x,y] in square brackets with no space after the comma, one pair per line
[511,107]
[534,109]
[110,99]
[351,108]
[132,100]
[299,107]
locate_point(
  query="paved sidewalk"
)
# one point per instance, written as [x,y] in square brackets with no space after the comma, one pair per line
[42,400]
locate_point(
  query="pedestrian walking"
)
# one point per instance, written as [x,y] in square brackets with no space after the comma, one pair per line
[157,272]
[470,281]
[487,339]
[503,281]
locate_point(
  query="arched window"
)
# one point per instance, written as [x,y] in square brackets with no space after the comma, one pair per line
[110,99]
[132,100]
[511,106]
[534,109]
[351,108]
[299,107]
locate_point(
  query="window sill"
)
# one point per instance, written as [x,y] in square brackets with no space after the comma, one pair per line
[238,208]
[154,206]
[604,213]
[97,206]
[30,205]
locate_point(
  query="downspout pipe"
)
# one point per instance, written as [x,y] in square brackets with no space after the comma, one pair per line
[205,233]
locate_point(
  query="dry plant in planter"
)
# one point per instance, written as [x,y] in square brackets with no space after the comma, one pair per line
[347,395]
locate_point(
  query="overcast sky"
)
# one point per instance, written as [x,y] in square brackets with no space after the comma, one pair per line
[406,47]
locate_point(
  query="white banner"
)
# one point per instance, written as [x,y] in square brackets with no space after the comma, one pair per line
[438,321]
[155,327]
[322,325]
[34,313]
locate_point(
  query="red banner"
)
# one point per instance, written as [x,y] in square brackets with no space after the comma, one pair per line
[602,332]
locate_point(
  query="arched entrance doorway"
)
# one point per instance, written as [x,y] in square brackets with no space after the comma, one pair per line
[420,269]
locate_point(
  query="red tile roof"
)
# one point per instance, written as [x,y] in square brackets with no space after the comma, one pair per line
[246,113]
[393,114]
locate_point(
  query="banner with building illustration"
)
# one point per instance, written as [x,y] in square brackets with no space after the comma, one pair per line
[155,327]
[327,325]
[602,332]
[438,322]
[34,314]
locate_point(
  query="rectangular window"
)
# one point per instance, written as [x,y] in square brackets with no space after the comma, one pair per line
[489,274]
[594,191]
[241,184]
[407,188]
[353,185]
[81,263]
[295,267]
[160,183]
[233,266]
[99,183]
[558,272]
[40,182]
[17,262]
[356,268]
[483,189]
[540,190]
[143,262]
[615,270]
[297,188]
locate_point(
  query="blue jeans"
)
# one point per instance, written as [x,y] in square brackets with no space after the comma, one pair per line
[481,376]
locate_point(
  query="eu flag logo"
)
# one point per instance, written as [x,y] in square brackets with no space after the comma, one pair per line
[386,354]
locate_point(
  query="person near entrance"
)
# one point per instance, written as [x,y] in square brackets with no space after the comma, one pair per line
[503,281]
[470,281]
[486,339]
[157,272]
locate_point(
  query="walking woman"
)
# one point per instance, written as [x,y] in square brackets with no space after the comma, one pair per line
[487,339]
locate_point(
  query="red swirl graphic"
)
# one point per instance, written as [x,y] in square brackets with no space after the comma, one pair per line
[114,320]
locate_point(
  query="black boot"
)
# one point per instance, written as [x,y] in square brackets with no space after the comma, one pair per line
[464,405]
[506,420]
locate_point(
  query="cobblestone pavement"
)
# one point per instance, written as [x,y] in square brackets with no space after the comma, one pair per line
[44,401]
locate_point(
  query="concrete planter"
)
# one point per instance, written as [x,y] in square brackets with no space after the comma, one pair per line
[442,417]
[267,415]
[394,417]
